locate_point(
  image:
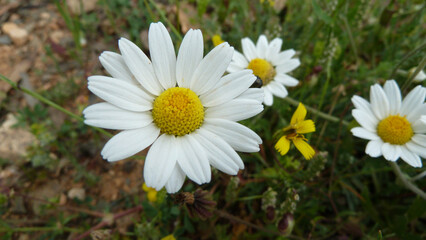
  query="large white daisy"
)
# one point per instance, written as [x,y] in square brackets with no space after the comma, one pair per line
[183,107]
[269,64]
[394,127]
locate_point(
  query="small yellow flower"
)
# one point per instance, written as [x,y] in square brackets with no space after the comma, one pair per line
[217,40]
[151,193]
[169,237]
[294,132]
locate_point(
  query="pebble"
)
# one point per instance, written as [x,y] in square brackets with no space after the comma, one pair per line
[18,35]
[78,193]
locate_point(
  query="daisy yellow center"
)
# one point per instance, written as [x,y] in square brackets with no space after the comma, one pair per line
[395,130]
[262,69]
[178,111]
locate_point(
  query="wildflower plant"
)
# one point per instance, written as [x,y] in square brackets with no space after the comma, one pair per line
[176,103]
[182,106]
[394,126]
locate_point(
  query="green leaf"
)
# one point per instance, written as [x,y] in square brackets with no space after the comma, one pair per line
[321,14]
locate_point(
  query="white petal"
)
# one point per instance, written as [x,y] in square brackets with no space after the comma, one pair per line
[140,66]
[176,180]
[288,66]
[160,161]
[364,133]
[379,101]
[235,110]
[129,142]
[268,99]
[417,149]
[220,154]
[419,126]
[273,49]
[120,93]
[238,136]
[229,87]
[277,89]
[252,93]
[211,68]
[193,159]
[106,115]
[413,105]
[162,54]
[239,60]
[189,56]
[420,139]
[283,57]
[367,121]
[261,46]
[411,158]
[115,65]
[394,96]
[391,152]
[364,106]
[234,68]
[249,49]
[286,80]
[374,148]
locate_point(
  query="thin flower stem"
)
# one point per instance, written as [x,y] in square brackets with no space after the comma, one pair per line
[317,112]
[38,229]
[239,220]
[420,176]
[163,16]
[50,103]
[250,198]
[351,38]
[406,182]
[407,56]
[106,222]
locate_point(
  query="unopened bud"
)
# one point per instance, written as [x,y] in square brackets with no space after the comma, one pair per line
[286,224]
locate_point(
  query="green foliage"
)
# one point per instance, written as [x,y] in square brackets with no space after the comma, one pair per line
[344,47]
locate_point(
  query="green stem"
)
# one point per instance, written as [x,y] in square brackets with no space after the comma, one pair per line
[50,103]
[317,112]
[407,56]
[250,198]
[351,38]
[163,16]
[406,182]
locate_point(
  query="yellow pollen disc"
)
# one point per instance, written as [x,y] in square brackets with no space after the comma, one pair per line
[395,130]
[262,69]
[178,111]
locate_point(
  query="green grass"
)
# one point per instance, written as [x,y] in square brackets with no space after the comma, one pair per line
[344,47]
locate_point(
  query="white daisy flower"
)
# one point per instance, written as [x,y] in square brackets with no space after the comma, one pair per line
[182,106]
[396,128]
[269,64]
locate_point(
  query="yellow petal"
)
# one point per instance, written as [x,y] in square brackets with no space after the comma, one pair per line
[217,40]
[306,126]
[283,145]
[152,196]
[145,188]
[299,115]
[169,237]
[307,151]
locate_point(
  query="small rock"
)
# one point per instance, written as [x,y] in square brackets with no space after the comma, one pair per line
[78,193]
[18,35]
[75,6]
[14,141]
[5,40]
